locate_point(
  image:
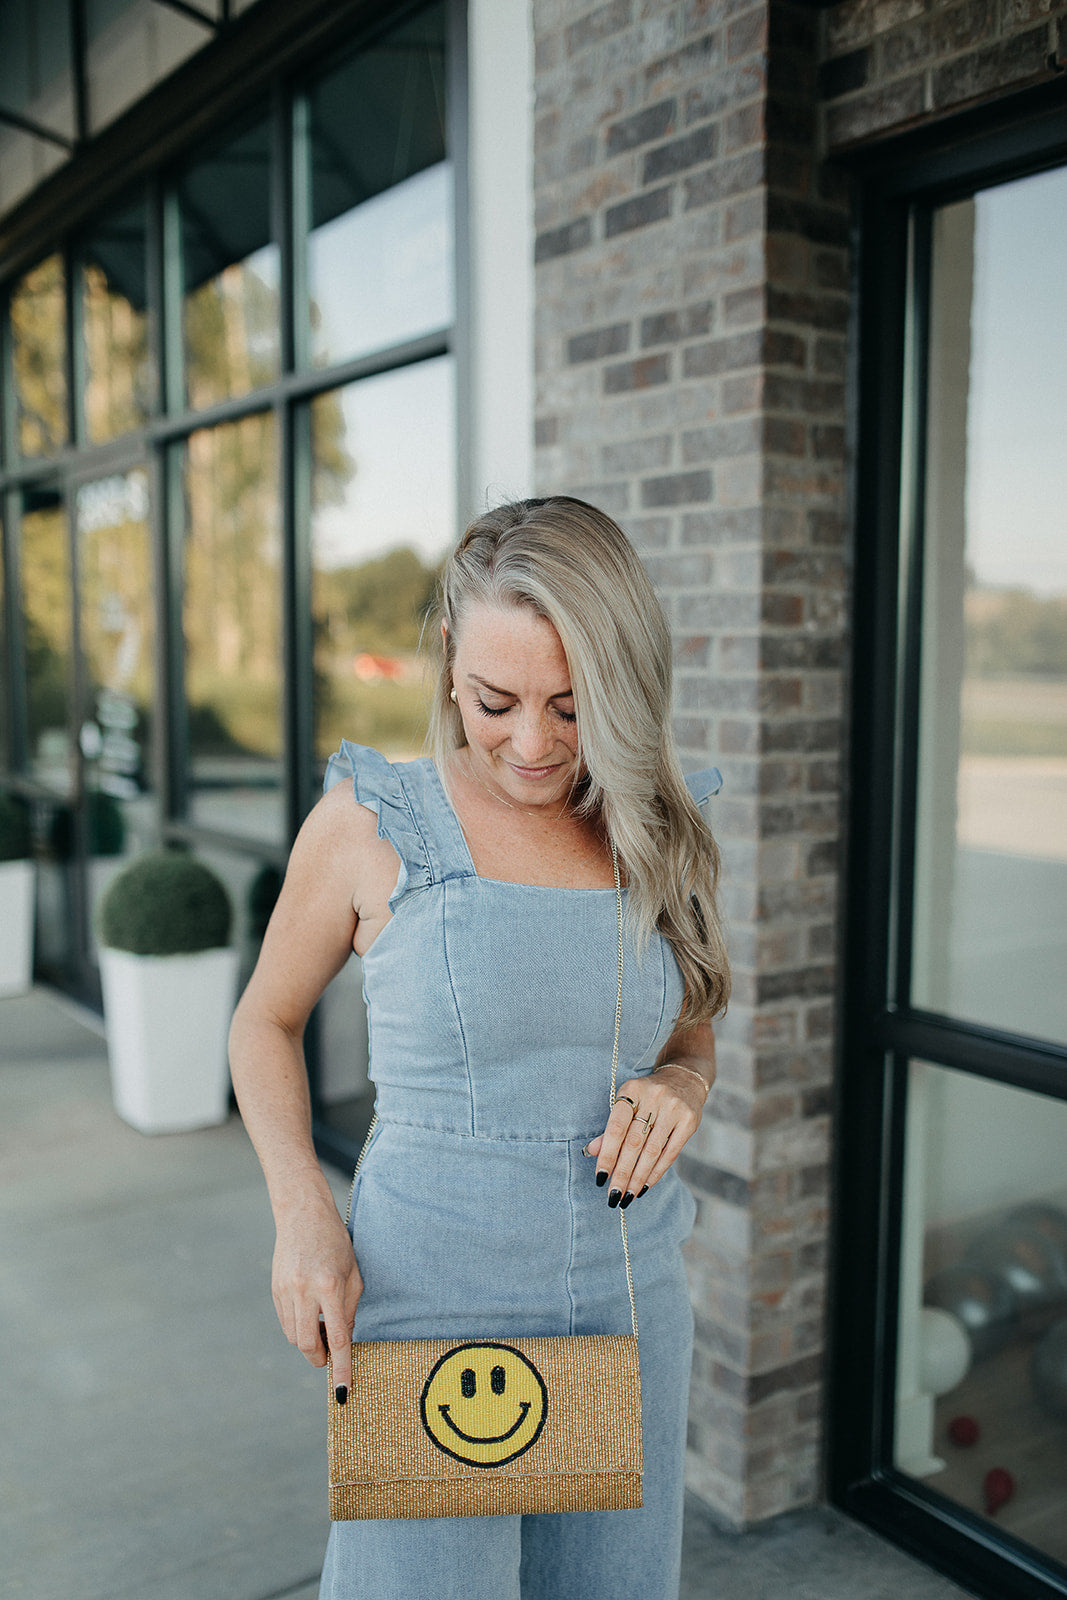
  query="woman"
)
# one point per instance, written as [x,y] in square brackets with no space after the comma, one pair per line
[478,888]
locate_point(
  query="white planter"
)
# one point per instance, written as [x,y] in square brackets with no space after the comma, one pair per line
[16,926]
[167,1020]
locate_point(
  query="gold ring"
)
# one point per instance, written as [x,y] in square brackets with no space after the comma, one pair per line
[629,1102]
[646,1120]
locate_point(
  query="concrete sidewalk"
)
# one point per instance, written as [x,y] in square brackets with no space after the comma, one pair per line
[162,1441]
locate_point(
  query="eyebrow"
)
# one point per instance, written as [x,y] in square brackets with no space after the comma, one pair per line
[509,694]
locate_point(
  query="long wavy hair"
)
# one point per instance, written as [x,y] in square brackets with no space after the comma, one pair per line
[572,565]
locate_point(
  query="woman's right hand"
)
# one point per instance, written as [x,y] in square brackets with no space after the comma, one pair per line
[316,1285]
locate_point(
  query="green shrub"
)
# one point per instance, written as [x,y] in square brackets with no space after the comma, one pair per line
[105,827]
[165,903]
[15,840]
[263,893]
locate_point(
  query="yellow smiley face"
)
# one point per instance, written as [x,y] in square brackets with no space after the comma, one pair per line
[484,1404]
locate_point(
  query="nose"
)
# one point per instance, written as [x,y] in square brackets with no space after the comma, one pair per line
[533,739]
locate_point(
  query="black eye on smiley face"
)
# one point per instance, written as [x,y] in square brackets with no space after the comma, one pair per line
[468,1382]
[484,1404]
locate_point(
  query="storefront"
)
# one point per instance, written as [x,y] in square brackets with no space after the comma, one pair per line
[292,287]
[229,464]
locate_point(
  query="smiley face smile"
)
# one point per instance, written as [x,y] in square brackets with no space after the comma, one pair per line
[469,1438]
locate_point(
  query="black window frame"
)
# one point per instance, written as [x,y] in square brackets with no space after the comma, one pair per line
[897,187]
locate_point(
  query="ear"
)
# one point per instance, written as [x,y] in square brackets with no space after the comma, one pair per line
[444,631]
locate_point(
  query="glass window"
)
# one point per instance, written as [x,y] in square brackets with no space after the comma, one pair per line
[380,249]
[117,614]
[119,379]
[36,83]
[39,356]
[982,1354]
[230,271]
[990,930]
[232,612]
[383,499]
[131,45]
[44,563]
[5,670]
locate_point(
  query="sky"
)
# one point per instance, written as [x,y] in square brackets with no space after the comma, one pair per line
[1017,425]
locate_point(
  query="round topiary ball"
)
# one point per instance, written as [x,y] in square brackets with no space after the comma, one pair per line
[15,839]
[165,903]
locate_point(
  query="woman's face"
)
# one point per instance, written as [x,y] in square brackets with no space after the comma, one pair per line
[513,690]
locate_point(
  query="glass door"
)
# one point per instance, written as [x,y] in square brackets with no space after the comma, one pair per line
[981,1402]
[954,1128]
[116,679]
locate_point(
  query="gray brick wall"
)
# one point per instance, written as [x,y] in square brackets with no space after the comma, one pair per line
[891,64]
[691,331]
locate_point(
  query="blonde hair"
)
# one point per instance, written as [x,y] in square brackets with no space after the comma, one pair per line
[572,565]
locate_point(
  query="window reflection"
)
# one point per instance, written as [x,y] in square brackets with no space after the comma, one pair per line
[380,250]
[36,82]
[119,380]
[991,871]
[116,608]
[131,45]
[232,611]
[230,271]
[382,518]
[39,358]
[46,612]
[982,1357]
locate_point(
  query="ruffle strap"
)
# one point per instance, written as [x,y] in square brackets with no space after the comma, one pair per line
[702,785]
[376,786]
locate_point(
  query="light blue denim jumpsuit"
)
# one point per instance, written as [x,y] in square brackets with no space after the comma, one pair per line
[492,1015]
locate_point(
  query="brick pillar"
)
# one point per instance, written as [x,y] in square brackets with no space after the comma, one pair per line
[690,353]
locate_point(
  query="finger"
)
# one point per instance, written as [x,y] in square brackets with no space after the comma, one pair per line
[338,1338]
[658,1136]
[611,1139]
[668,1155]
[309,1340]
[629,1153]
[593,1147]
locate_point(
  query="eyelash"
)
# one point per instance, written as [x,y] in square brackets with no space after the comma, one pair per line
[502,711]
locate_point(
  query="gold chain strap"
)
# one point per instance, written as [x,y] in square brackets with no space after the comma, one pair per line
[614,1080]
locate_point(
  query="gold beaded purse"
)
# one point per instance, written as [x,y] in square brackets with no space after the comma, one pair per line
[491,1427]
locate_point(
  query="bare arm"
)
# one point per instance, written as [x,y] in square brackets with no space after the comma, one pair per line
[336,867]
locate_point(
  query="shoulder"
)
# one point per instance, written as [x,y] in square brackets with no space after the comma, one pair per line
[702,785]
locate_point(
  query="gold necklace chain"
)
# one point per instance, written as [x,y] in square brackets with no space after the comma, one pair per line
[529,811]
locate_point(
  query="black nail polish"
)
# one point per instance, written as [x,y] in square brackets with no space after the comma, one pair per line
[614,1197]
[341,1393]
[625,1201]
[643,1191]
[601,1179]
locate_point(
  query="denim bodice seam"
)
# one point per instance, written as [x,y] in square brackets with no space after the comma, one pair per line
[456,1007]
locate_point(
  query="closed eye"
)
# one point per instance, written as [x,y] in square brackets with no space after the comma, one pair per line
[502,711]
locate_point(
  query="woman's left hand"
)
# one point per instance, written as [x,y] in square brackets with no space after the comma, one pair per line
[654,1117]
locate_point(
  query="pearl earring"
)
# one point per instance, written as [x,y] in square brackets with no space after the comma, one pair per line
[452,696]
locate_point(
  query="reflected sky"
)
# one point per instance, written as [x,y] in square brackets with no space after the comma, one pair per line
[399,432]
[1017,425]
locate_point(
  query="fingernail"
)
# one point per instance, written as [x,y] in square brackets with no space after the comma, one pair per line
[625,1201]
[601,1179]
[642,1191]
[614,1197]
[341,1393]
